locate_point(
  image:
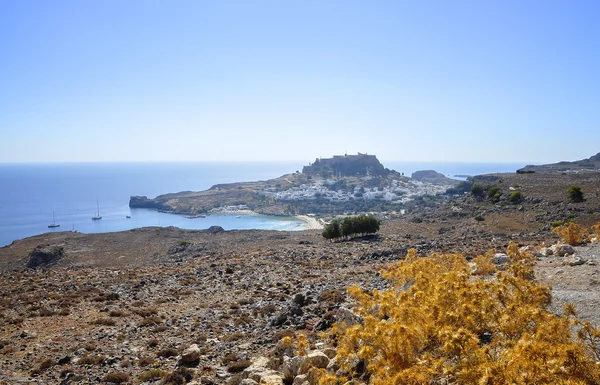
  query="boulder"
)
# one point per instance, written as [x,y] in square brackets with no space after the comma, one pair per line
[271,378]
[259,372]
[546,251]
[314,359]
[45,255]
[215,229]
[291,366]
[561,250]
[500,259]
[344,315]
[573,261]
[190,356]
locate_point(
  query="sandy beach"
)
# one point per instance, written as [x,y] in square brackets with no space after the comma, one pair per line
[312,222]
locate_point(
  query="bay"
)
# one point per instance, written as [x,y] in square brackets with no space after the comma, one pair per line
[30,193]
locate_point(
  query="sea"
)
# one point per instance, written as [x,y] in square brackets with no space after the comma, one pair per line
[35,195]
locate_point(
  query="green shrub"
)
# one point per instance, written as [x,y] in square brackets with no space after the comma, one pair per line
[494,193]
[477,190]
[575,194]
[479,218]
[515,197]
[556,224]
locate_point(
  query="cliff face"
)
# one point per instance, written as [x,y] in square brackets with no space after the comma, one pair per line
[346,165]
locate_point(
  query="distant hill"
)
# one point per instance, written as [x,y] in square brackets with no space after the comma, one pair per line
[591,164]
[346,165]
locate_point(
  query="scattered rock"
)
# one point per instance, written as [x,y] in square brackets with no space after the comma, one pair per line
[314,359]
[190,356]
[500,259]
[574,261]
[561,250]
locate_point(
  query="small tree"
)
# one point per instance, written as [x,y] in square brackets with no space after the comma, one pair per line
[575,194]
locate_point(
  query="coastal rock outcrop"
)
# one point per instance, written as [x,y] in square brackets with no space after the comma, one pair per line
[45,255]
[142,202]
[433,177]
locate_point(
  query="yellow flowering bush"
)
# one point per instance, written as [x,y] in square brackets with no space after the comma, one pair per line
[438,323]
[570,233]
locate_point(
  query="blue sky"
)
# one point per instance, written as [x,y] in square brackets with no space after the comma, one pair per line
[474,81]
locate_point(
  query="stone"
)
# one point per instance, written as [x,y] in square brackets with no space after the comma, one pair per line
[247,381]
[45,255]
[345,315]
[190,356]
[300,380]
[300,299]
[561,250]
[546,251]
[260,373]
[271,378]
[314,359]
[279,319]
[574,261]
[291,366]
[333,365]
[500,259]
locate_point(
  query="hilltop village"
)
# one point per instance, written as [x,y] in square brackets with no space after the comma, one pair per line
[344,183]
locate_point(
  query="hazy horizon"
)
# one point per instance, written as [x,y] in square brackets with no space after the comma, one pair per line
[196,81]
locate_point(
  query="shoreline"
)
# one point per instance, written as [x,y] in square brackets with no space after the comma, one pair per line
[312,222]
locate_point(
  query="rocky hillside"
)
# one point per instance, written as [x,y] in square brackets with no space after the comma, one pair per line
[592,163]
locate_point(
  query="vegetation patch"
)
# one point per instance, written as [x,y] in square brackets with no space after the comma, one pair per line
[575,194]
[437,323]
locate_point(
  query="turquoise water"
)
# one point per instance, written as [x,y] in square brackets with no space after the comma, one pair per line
[29,193]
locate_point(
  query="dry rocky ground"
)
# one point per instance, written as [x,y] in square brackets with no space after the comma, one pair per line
[123,307]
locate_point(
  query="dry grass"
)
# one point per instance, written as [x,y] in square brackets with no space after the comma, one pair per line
[238,366]
[168,352]
[117,378]
[153,374]
[104,322]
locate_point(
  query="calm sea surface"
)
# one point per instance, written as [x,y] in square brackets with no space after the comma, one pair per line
[30,193]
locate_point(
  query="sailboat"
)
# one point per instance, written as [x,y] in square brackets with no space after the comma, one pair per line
[97,216]
[54,224]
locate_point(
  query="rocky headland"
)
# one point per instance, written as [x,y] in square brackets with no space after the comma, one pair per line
[344,183]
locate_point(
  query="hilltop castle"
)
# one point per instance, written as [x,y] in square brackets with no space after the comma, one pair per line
[346,165]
